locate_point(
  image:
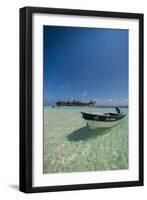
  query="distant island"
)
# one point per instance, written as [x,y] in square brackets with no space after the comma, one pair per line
[76,103]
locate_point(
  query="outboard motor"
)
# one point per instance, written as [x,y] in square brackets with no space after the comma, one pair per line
[117,109]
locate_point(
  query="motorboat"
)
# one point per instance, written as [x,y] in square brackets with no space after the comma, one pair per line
[103,120]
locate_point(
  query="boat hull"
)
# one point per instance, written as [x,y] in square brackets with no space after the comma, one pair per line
[102,120]
[101,124]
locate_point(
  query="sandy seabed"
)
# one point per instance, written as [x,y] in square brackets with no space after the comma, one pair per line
[70,146]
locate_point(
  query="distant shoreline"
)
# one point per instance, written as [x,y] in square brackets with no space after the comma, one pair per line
[88,106]
[75,103]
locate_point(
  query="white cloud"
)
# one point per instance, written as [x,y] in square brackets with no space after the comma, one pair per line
[126,100]
[111,102]
[85,93]
[67,86]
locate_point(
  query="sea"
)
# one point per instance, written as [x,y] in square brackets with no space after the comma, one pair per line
[70,146]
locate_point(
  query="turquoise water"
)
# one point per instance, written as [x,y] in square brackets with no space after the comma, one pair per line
[70,146]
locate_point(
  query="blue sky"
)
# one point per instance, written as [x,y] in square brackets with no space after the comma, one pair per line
[85,64]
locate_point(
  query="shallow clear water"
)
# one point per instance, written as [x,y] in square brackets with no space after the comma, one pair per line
[70,146]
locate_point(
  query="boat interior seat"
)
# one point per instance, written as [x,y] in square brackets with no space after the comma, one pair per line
[114,114]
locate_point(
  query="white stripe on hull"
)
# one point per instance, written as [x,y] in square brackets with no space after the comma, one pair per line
[100,124]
